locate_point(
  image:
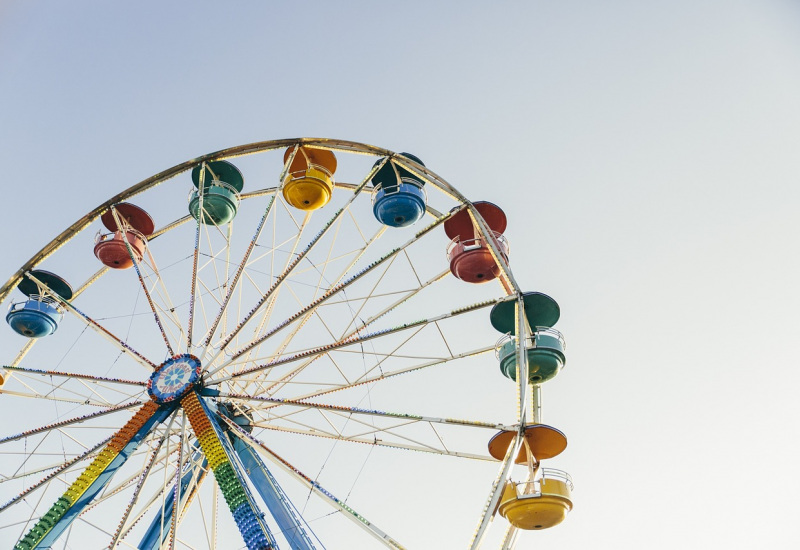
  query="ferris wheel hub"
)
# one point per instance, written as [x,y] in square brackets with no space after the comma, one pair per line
[174,378]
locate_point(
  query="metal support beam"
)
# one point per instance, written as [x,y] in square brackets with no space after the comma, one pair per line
[317,489]
[155,536]
[276,500]
[228,473]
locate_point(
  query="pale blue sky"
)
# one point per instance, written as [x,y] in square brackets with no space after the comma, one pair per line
[644,152]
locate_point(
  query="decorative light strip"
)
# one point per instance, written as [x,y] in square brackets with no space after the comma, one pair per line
[232,489]
[118,442]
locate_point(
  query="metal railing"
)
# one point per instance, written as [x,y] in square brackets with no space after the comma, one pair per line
[208,189]
[534,488]
[47,300]
[100,237]
[560,475]
[550,331]
[502,341]
[476,243]
[299,174]
[396,188]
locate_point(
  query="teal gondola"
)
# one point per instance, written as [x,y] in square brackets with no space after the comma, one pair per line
[222,183]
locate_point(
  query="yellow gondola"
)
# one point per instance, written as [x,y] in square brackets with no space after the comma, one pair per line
[309,182]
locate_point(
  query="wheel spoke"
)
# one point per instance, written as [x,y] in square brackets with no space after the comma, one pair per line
[118,342]
[522,331]
[348,334]
[283,276]
[69,422]
[123,231]
[161,492]
[88,283]
[337,281]
[74,389]
[270,296]
[53,398]
[287,341]
[272,419]
[510,538]
[305,318]
[368,412]
[353,340]
[391,374]
[200,214]
[199,465]
[234,283]
[337,288]
[75,376]
[177,491]
[490,508]
[161,290]
[317,432]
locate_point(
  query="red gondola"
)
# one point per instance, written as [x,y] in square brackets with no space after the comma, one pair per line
[110,248]
[468,253]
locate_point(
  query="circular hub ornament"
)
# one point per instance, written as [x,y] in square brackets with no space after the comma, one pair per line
[174,378]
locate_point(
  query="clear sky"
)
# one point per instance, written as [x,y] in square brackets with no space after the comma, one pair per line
[644,152]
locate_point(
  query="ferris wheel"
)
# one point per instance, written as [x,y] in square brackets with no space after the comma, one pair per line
[315,326]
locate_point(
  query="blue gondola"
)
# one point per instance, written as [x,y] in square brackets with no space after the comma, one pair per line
[40,314]
[398,197]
